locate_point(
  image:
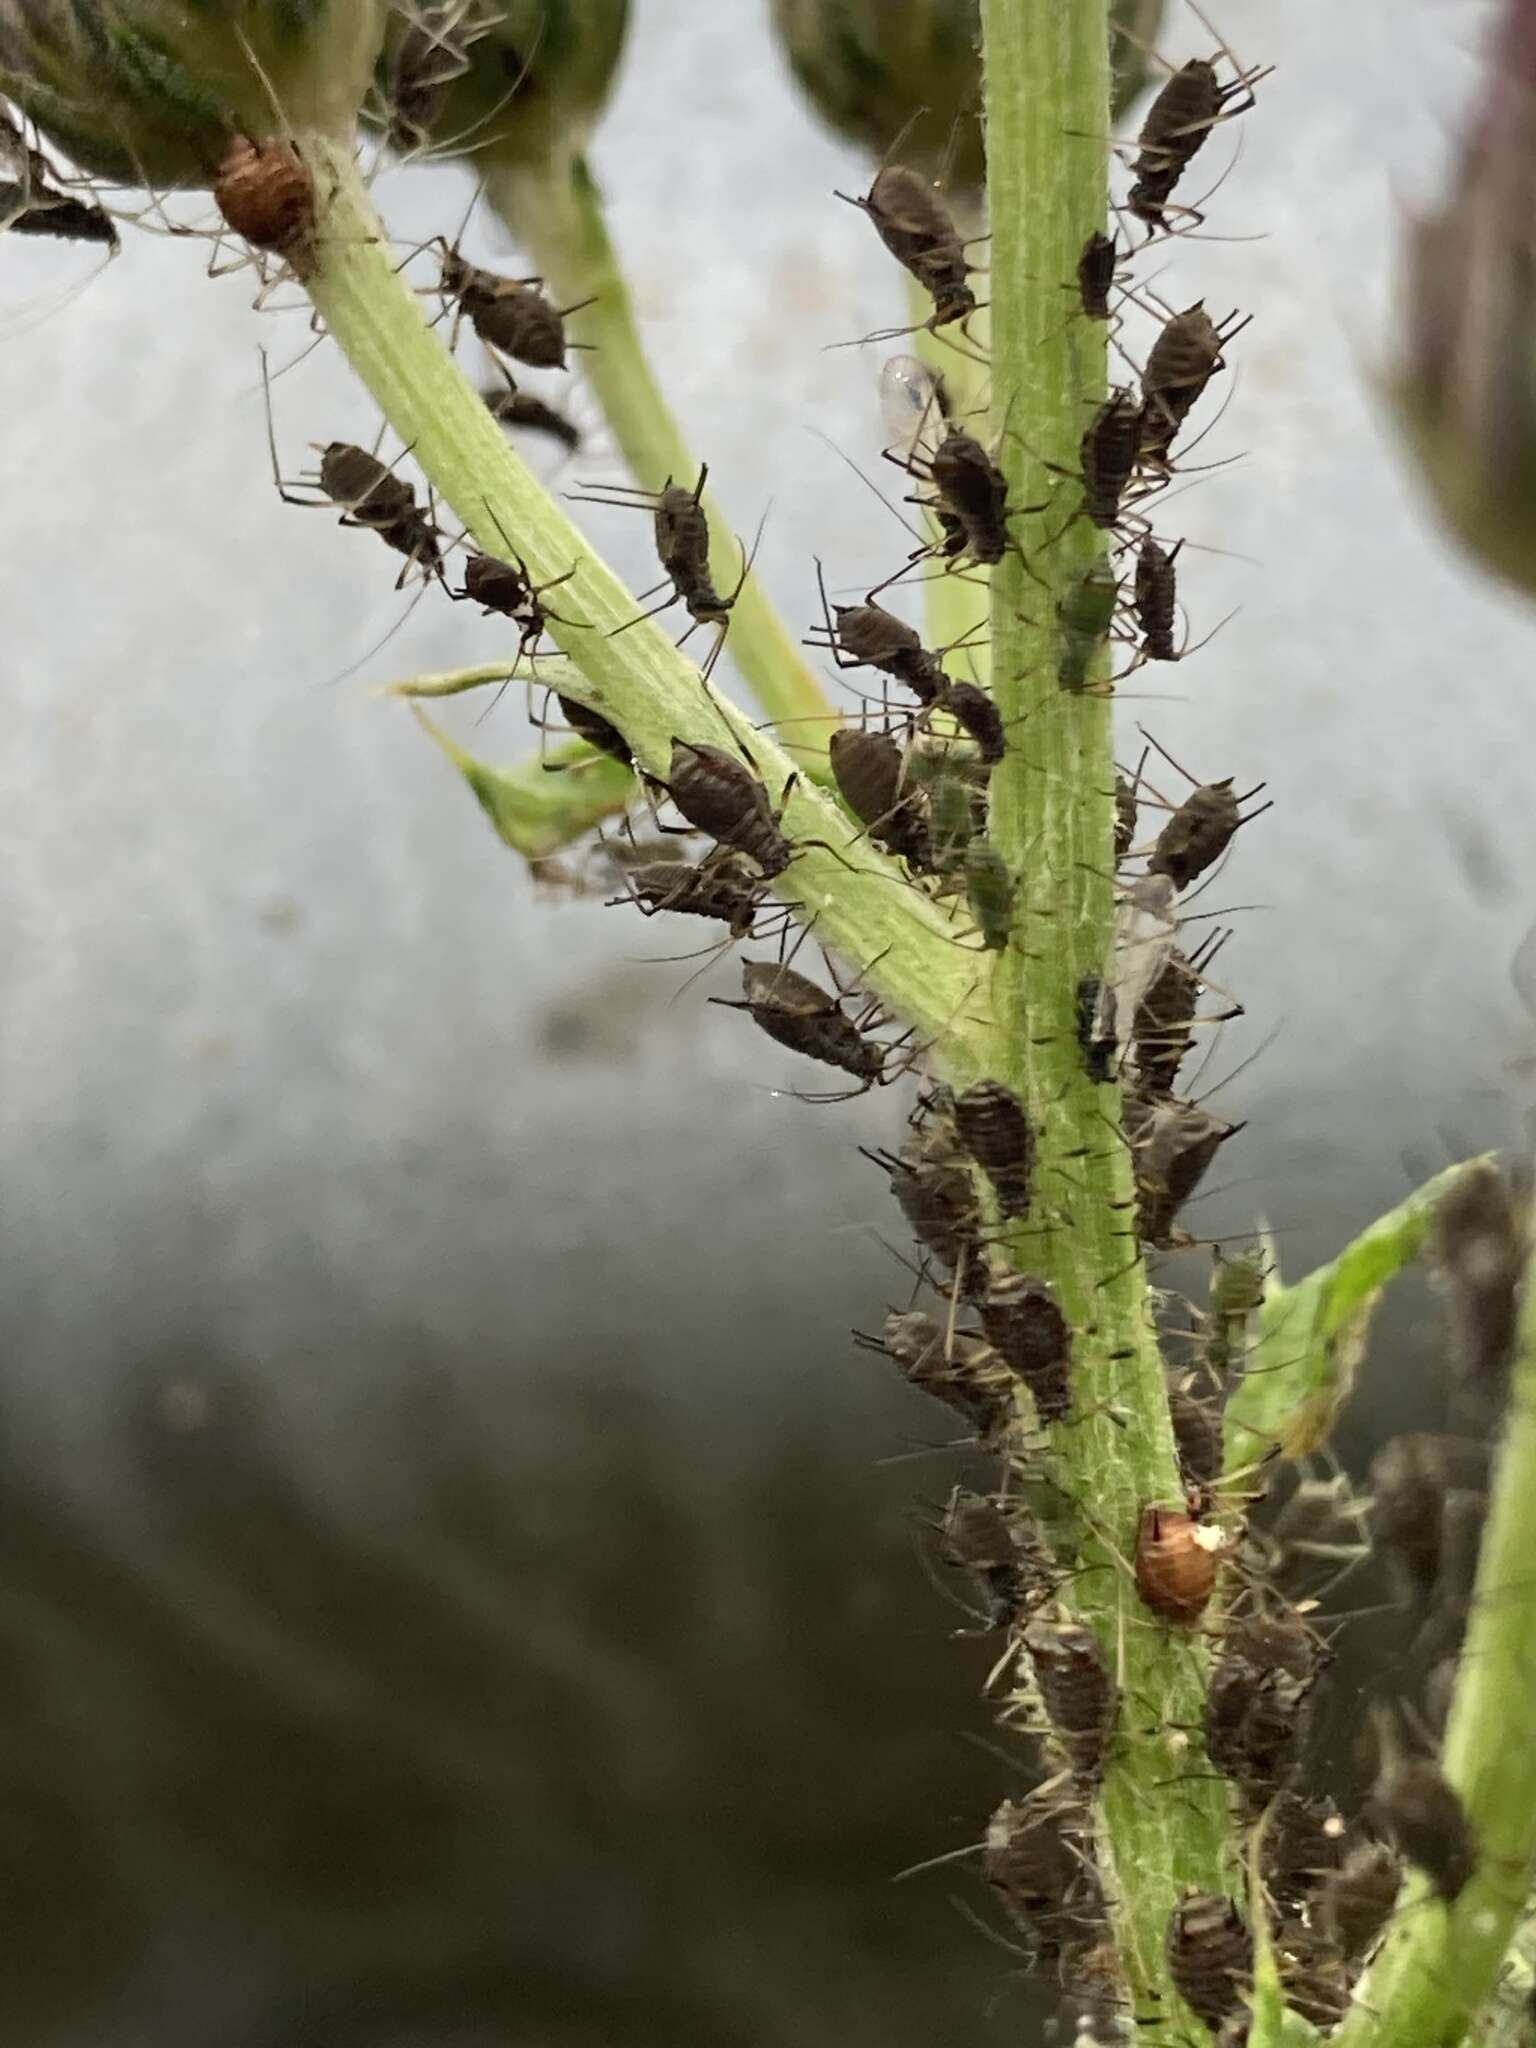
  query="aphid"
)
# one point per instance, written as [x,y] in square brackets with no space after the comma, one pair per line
[938,1199]
[1029,1332]
[720,796]
[1303,1844]
[1142,940]
[1108,455]
[1079,1694]
[916,227]
[1182,361]
[995,1129]
[957,823]
[1315,1976]
[796,1013]
[1198,833]
[989,891]
[522,409]
[1197,1440]
[962,1371]
[37,209]
[1237,1284]
[1478,1251]
[869,771]
[591,726]
[974,491]
[1003,1553]
[1425,1817]
[372,497]
[1163,1027]
[1178,121]
[1255,1708]
[1156,598]
[510,314]
[1098,1051]
[973,710]
[266,192]
[1355,1903]
[1096,274]
[722,890]
[1125,817]
[1414,1478]
[1177,1558]
[430,52]
[681,528]
[1210,1955]
[1038,1855]
[508,589]
[1172,1144]
[868,636]
[1085,614]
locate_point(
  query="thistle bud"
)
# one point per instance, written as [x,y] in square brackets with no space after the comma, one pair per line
[153,92]
[874,70]
[1466,388]
[517,79]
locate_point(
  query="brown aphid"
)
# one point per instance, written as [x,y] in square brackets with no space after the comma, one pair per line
[373,497]
[1177,1559]
[1413,1479]
[596,730]
[1197,1439]
[1210,1955]
[1096,274]
[974,491]
[1172,1145]
[1155,598]
[1314,1974]
[431,50]
[973,710]
[1355,1902]
[1003,1553]
[917,228]
[960,1370]
[1162,1030]
[720,796]
[1274,1639]
[510,314]
[995,1129]
[1038,1856]
[508,590]
[522,409]
[869,770]
[1425,1817]
[682,548]
[266,192]
[1198,833]
[1108,454]
[1253,1722]
[1189,105]
[38,210]
[1031,1335]
[1183,360]
[868,636]
[1478,1252]
[798,1014]
[938,1199]
[1303,1844]
[1077,1690]
[722,890]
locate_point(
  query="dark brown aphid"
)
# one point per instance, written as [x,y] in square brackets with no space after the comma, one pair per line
[1414,1481]
[681,528]
[591,726]
[1178,121]
[1108,454]
[373,497]
[869,770]
[1163,1027]
[1197,1439]
[916,226]
[1172,1145]
[1098,1052]
[1210,1955]
[1177,1559]
[1096,274]
[39,210]
[430,51]
[974,491]
[1425,1817]
[1125,817]
[1077,1690]
[266,192]
[1479,1250]
[868,636]
[962,1371]
[1029,1332]
[722,890]
[1355,1903]
[973,710]
[1198,833]
[1314,1974]
[521,409]
[508,589]
[1303,1845]
[995,1129]
[1002,1552]
[1256,1705]
[510,314]
[1038,1855]
[1156,598]
[1183,360]
[938,1199]
[796,1013]
[720,796]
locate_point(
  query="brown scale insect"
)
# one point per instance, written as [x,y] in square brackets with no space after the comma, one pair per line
[1355,1902]
[1425,1817]
[918,230]
[1177,1560]
[1200,831]
[1096,274]
[1108,455]
[1002,1552]
[591,726]
[723,890]
[266,193]
[798,1014]
[973,710]
[1172,1145]
[516,408]
[507,589]
[868,636]
[870,772]
[510,314]
[961,1371]
[1210,1955]
[1079,1694]
[720,796]
[995,1129]
[1031,1335]
[1155,597]
[1098,1052]
[1182,361]
[38,210]
[1184,112]
[374,498]
[1038,1856]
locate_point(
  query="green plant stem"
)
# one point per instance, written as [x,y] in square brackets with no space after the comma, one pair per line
[1047,99]
[897,941]
[1440,1963]
[556,213]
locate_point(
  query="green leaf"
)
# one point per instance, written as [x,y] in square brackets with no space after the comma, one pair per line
[534,809]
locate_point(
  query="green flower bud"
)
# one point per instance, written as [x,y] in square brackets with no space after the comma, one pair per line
[152,92]
[520,79]
[1466,388]
[871,67]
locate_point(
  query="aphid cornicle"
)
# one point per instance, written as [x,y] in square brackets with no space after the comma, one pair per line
[1177,1559]
[869,770]
[1026,1327]
[510,314]
[1038,1856]
[915,225]
[1355,1902]
[1077,1691]
[720,796]
[1210,1955]
[1198,833]
[266,192]
[1425,1817]
[722,890]
[798,1014]
[1156,598]
[1096,274]
[1182,361]
[1108,454]
[960,1370]
[995,1129]
[38,210]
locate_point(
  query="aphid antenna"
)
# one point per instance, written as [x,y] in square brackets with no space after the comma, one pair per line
[869,484]
[937,1862]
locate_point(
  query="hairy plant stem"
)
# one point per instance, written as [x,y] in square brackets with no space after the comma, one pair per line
[900,945]
[1441,1962]
[556,213]
[1165,1817]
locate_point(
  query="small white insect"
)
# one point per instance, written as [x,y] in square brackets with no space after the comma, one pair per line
[1146,926]
[914,406]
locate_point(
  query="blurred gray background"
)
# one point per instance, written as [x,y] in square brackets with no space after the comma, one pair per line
[456,1577]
